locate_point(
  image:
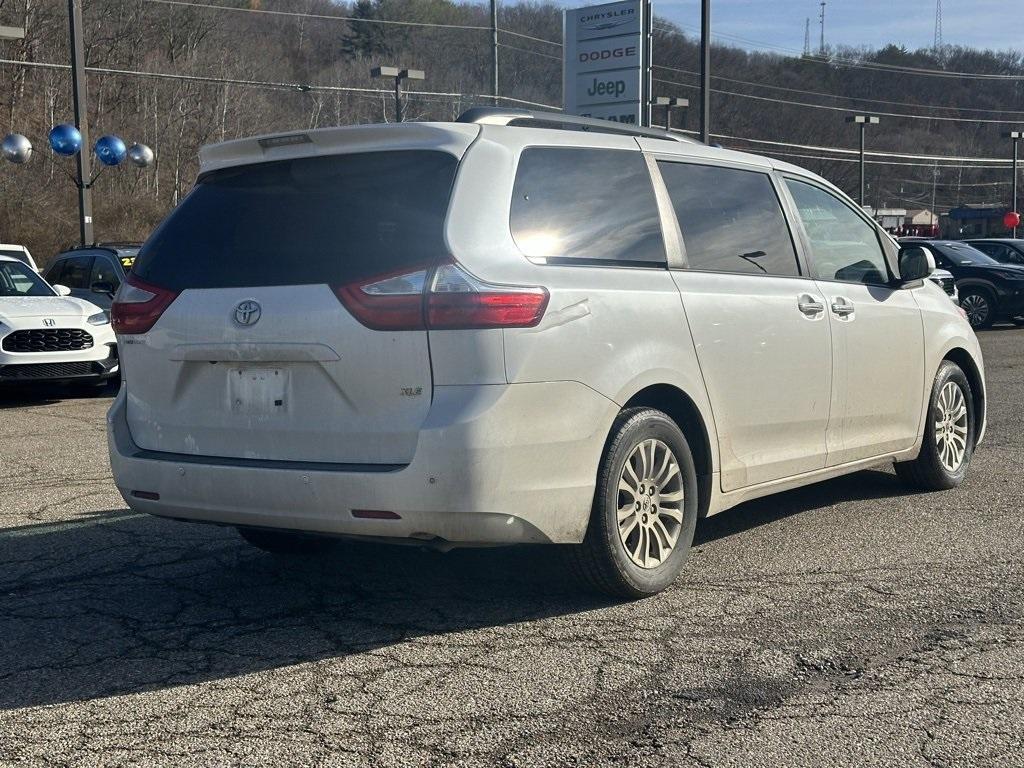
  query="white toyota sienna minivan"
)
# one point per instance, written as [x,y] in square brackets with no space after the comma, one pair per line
[523,328]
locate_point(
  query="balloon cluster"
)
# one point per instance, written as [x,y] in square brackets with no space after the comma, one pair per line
[66,140]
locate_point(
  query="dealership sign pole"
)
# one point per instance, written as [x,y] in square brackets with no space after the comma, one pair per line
[606,70]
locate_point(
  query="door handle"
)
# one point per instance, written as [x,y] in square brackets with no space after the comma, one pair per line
[842,306]
[810,305]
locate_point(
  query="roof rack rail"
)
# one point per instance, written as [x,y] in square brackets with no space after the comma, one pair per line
[531,118]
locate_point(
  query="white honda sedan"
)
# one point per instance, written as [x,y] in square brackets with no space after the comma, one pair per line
[45,335]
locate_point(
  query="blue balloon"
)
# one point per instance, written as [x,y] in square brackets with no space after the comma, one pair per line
[111,150]
[65,140]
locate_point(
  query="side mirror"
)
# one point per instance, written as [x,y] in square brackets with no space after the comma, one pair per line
[103,287]
[62,290]
[916,263]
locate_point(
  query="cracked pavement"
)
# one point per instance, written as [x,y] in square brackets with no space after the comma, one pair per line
[849,623]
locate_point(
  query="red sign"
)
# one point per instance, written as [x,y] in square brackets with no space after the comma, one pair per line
[1011,220]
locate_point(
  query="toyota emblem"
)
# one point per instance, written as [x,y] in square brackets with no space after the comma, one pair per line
[248,312]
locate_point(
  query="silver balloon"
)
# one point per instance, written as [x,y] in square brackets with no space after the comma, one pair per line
[17,148]
[140,155]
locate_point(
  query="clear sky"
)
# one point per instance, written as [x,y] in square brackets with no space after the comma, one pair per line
[997,24]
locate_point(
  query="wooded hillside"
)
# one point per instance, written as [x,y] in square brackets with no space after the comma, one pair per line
[275,65]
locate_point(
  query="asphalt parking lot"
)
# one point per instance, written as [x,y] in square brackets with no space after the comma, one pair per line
[850,623]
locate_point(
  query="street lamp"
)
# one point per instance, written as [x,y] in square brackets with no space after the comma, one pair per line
[399,75]
[669,103]
[863,121]
[1015,136]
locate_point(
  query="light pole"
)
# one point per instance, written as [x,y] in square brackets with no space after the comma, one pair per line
[863,121]
[1014,136]
[669,103]
[399,75]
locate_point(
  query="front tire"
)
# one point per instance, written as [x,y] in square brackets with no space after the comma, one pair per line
[286,542]
[645,508]
[980,307]
[949,434]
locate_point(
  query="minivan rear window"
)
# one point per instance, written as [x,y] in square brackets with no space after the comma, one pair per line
[329,219]
[586,206]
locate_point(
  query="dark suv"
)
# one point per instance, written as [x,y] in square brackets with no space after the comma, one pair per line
[988,290]
[1005,250]
[93,273]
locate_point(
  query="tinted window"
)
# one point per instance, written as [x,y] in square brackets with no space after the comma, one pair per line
[731,220]
[586,206]
[844,246]
[961,254]
[16,279]
[74,272]
[19,255]
[331,219]
[103,271]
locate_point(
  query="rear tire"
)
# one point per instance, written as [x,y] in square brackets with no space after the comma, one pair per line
[980,306]
[948,439]
[286,542]
[645,508]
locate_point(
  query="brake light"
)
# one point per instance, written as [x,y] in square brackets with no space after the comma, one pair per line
[445,297]
[138,305]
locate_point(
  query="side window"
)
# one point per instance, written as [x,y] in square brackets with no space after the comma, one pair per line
[53,274]
[731,219]
[103,271]
[75,274]
[591,206]
[844,246]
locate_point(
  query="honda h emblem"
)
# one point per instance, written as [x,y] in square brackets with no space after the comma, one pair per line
[49,322]
[248,313]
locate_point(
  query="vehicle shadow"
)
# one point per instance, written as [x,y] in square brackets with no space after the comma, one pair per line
[115,603]
[860,486]
[50,393]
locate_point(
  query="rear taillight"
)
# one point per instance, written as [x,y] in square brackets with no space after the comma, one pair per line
[445,297]
[138,305]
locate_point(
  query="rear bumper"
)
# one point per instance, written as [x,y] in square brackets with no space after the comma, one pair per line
[497,464]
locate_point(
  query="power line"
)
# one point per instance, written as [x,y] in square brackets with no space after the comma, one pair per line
[872,153]
[942,118]
[840,96]
[320,16]
[532,53]
[269,84]
[853,63]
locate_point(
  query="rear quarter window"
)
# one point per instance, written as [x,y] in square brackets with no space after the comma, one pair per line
[330,219]
[586,206]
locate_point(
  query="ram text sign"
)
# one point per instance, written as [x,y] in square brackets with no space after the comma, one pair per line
[603,67]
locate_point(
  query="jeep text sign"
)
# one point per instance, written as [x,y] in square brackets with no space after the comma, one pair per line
[603,66]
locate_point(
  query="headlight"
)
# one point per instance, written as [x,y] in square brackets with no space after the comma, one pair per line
[100,318]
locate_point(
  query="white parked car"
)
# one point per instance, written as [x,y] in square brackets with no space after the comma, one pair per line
[507,329]
[46,335]
[19,252]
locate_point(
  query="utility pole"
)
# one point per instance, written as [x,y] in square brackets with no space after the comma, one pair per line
[938,44]
[494,50]
[705,71]
[1015,137]
[807,36]
[78,92]
[821,18]
[935,181]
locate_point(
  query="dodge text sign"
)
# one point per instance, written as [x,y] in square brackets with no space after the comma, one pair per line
[603,68]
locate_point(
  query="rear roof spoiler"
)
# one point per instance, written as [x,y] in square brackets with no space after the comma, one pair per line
[531,118]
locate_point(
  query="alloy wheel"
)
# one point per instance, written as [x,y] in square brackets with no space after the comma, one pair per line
[650,503]
[977,308]
[951,426]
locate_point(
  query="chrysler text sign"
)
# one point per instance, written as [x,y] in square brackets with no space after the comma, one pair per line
[603,68]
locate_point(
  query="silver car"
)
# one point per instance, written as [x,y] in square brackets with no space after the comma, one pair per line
[524,327]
